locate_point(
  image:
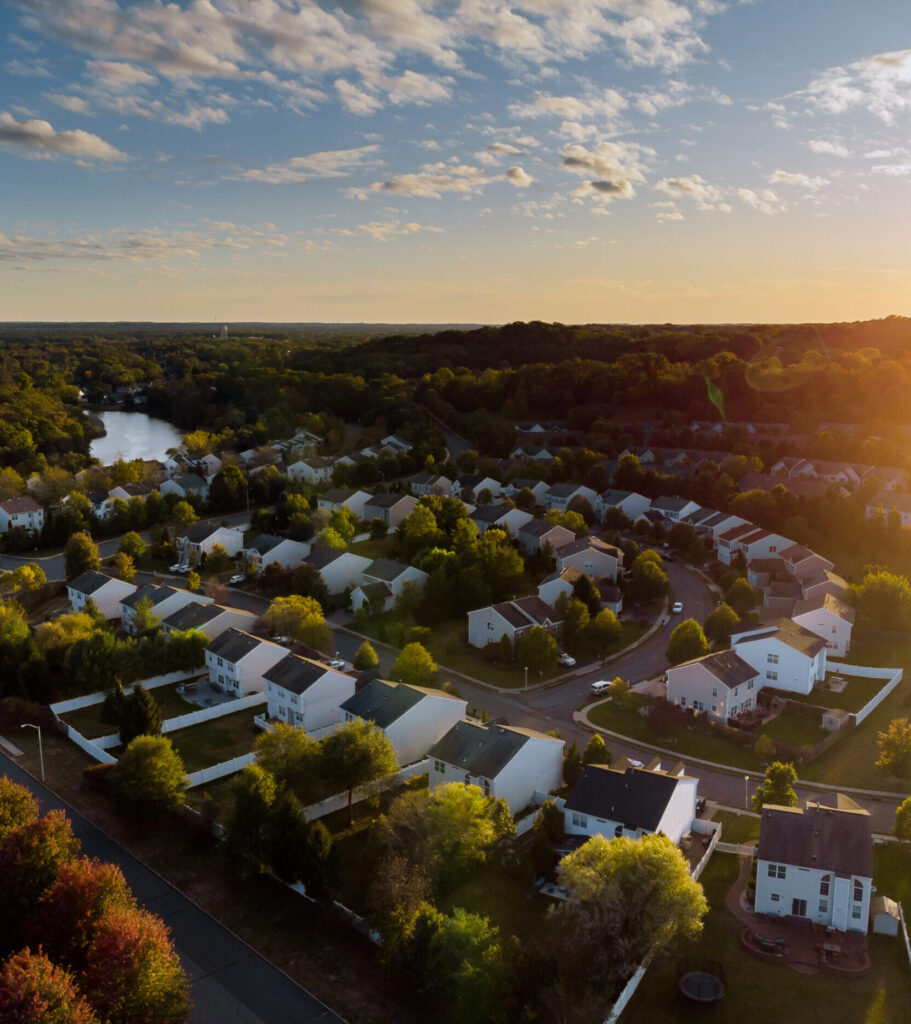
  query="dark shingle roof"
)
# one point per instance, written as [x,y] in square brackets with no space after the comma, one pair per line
[384,703]
[611,497]
[234,644]
[482,750]
[336,496]
[564,490]
[199,532]
[636,797]
[194,616]
[586,543]
[385,500]
[670,504]
[489,513]
[265,543]
[727,667]
[24,504]
[321,557]
[539,527]
[155,594]
[296,674]
[89,582]
[838,839]
[385,569]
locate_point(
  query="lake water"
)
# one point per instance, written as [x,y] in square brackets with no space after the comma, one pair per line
[133,435]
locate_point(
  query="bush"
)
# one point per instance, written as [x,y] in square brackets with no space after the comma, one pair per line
[97,777]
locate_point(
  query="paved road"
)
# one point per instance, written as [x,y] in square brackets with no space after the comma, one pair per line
[230,982]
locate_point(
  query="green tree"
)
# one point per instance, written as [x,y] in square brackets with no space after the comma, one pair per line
[572,764]
[35,991]
[764,749]
[149,778]
[575,623]
[414,665]
[183,515]
[633,895]
[80,555]
[194,582]
[741,596]
[585,590]
[604,631]
[228,489]
[365,657]
[301,618]
[619,691]
[133,545]
[145,621]
[140,715]
[719,624]
[26,577]
[330,538]
[687,642]
[895,748]
[356,754]
[288,754]
[500,564]
[537,650]
[248,834]
[777,787]
[124,566]
[882,598]
[90,660]
[505,652]
[647,581]
[17,807]
[596,751]
[903,820]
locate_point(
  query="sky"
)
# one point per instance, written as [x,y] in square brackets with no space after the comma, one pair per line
[467,161]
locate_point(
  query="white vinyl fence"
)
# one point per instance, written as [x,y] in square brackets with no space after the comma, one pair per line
[340,800]
[904,924]
[628,992]
[703,827]
[219,771]
[89,746]
[88,699]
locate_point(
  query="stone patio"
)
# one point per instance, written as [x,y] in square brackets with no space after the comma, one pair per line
[204,694]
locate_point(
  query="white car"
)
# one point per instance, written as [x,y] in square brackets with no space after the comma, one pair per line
[566,659]
[335,663]
[601,686]
[236,578]
[678,607]
[175,568]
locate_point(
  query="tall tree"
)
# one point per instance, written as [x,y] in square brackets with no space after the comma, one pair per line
[356,754]
[777,787]
[35,991]
[288,754]
[80,555]
[604,631]
[133,545]
[719,624]
[895,748]
[248,832]
[537,650]
[300,618]
[149,778]
[17,807]
[365,658]
[596,751]
[687,642]
[414,665]
[903,820]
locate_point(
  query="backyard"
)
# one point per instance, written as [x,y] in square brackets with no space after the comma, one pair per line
[853,697]
[757,992]
[87,721]
[219,739]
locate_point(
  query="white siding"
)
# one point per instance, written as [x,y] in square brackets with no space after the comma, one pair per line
[838,909]
[415,732]
[107,598]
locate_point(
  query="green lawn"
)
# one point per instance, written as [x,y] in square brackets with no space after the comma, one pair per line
[737,828]
[852,698]
[381,548]
[795,730]
[217,740]
[506,899]
[88,722]
[758,992]
[892,871]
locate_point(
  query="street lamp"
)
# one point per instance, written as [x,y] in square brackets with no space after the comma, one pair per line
[526,679]
[746,791]
[29,725]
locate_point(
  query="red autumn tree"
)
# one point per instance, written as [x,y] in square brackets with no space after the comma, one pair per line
[35,991]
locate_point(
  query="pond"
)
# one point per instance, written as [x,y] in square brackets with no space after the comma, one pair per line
[133,435]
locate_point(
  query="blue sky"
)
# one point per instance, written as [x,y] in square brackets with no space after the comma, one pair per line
[460,160]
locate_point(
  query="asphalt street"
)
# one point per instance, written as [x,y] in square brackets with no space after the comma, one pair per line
[230,982]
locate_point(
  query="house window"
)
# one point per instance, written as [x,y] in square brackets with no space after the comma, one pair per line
[858,891]
[774,897]
[772,659]
[580,820]
[855,913]
[487,787]
[220,662]
[824,886]
[835,629]
[714,691]
[714,708]
[750,685]
[798,907]
[298,716]
[439,767]
[771,675]
[683,702]
[823,906]
[618,832]
[777,871]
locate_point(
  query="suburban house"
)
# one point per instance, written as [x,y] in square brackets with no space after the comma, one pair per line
[200,539]
[165,601]
[830,618]
[188,486]
[339,498]
[237,661]
[713,527]
[305,693]
[431,483]
[24,512]
[535,534]
[383,581]
[339,569]
[505,762]
[760,544]
[786,655]
[816,863]
[210,619]
[105,591]
[550,588]
[390,509]
[560,496]
[722,685]
[510,618]
[126,492]
[612,599]
[886,503]
[631,504]
[412,718]
[315,470]
[267,549]
[825,582]
[629,801]
[727,541]
[502,517]
[602,561]
[801,562]
[674,509]
[521,483]
[532,452]
[470,485]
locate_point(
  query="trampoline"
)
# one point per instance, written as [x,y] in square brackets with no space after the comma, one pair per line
[701,987]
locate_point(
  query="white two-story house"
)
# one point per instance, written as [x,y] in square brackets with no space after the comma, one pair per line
[201,538]
[306,693]
[105,591]
[164,601]
[237,661]
[786,656]
[24,512]
[721,685]
[829,618]
[593,556]
[267,549]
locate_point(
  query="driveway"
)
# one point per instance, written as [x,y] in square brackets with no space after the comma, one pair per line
[230,982]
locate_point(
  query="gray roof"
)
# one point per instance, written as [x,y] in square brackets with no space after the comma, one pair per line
[539,527]
[194,616]
[336,496]
[155,594]
[383,703]
[584,543]
[736,532]
[727,667]
[375,591]
[830,602]
[482,750]
[838,839]
[89,582]
[234,644]
[265,543]
[612,497]
[296,674]
[636,797]
[522,482]
[670,504]
[23,504]
[385,500]
[564,490]
[319,558]
[199,532]
[385,569]
[190,482]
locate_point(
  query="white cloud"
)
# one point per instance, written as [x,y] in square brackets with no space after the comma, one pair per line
[880,84]
[382,231]
[118,74]
[431,182]
[517,176]
[603,106]
[765,200]
[40,138]
[619,161]
[356,100]
[828,147]
[504,148]
[74,104]
[333,163]
[695,187]
[799,180]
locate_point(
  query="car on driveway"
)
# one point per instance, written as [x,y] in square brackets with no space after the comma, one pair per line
[678,607]
[236,578]
[566,659]
[335,663]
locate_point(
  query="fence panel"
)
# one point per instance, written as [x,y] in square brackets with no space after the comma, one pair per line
[713,842]
[629,990]
[219,711]
[90,747]
[340,800]
[219,771]
[873,704]
[87,700]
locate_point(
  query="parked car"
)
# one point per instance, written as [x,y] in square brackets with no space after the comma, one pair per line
[335,663]
[601,686]
[678,607]
[566,659]
[238,577]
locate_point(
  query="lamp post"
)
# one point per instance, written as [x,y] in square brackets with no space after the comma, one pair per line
[29,725]
[526,679]
[746,791]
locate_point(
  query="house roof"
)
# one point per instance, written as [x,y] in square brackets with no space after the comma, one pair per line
[520,482]
[737,531]
[191,481]
[297,674]
[838,839]
[611,497]
[726,666]
[199,532]
[195,616]
[537,609]
[717,519]
[136,489]
[588,543]
[375,591]
[385,569]
[539,528]
[12,506]
[756,536]
[634,797]
[155,594]
[265,543]
[383,703]
[700,517]
[490,513]
[666,504]
[234,644]
[569,575]
[336,496]
[89,582]
[790,633]
[830,602]
[319,558]
[482,750]
[384,500]
[564,490]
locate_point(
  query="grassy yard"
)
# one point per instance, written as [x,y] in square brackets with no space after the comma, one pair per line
[757,992]
[88,722]
[852,698]
[212,742]
[737,828]
[892,871]
[795,730]
[372,549]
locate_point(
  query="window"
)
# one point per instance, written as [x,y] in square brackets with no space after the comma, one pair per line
[798,907]
[772,659]
[714,691]
[618,832]
[439,767]
[855,913]
[714,708]
[487,787]
[220,662]
[771,675]
[835,629]
[683,702]
[775,898]
[580,820]
[824,886]
[750,685]
[777,871]
[858,891]
[823,906]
